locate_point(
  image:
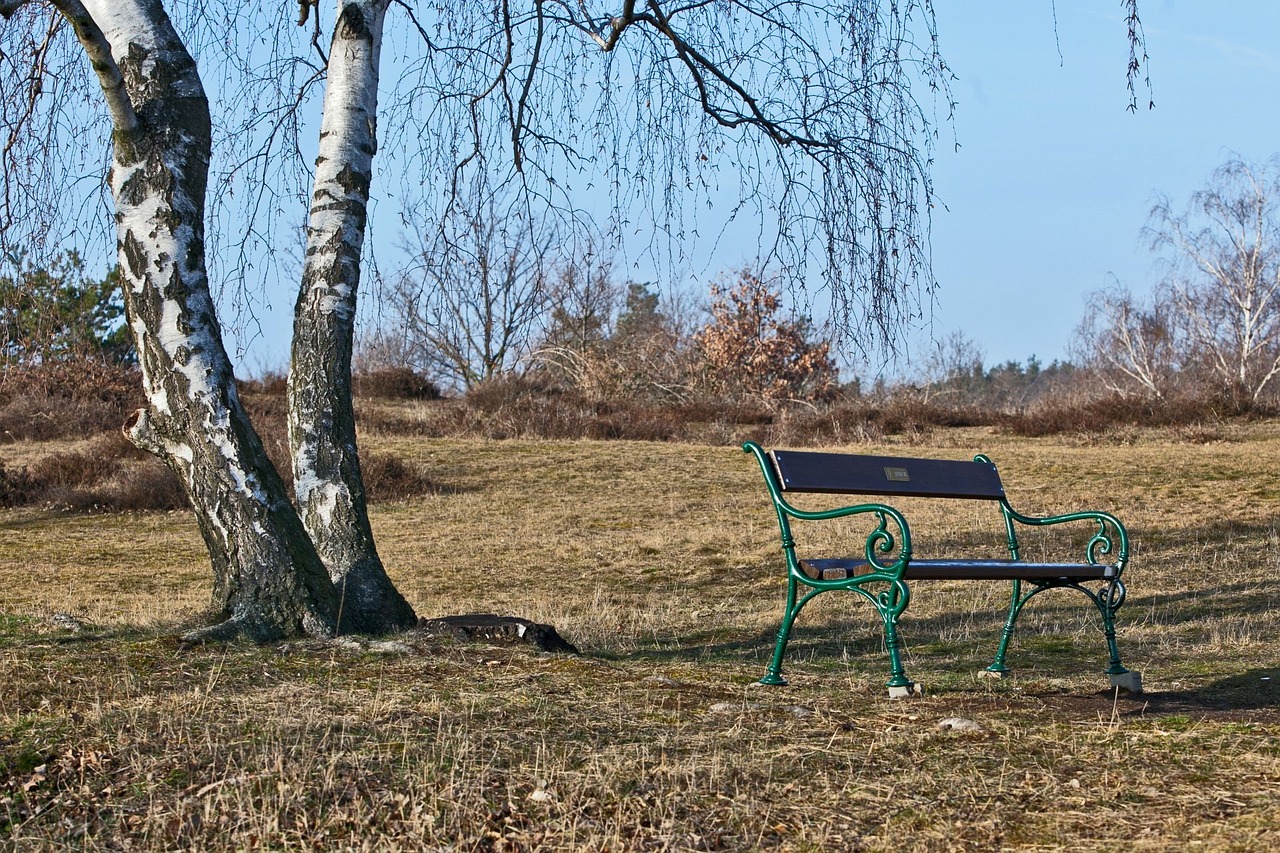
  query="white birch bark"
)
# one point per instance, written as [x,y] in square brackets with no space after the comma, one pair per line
[322,435]
[1229,301]
[268,579]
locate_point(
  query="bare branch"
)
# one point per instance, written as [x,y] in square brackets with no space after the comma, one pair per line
[123,117]
[656,118]
[52,193]
[1138,59]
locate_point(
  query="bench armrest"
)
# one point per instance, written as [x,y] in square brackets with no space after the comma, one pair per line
[1110,538]
[881,542]
[1111,541]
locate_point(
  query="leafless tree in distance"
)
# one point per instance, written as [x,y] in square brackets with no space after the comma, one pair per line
[1133,348]
[1223,255]
[473,303]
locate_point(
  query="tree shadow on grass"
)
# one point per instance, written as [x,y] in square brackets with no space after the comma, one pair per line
[1254,689]
[1213,605]
[824,642]
[1211,601]
[1250,697]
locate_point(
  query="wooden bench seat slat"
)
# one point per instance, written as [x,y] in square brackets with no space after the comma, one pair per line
[997,570]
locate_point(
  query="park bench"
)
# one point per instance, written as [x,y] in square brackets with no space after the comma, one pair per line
[882,573]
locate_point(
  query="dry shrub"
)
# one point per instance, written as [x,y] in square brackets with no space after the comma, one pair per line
[64,399]
[518,407]
[83,468]
[108,474]
[722,411]
[864,421]
[906,413]
[503,392]
[147,485]
[389,478]
[267,410]
[561,416]
[17,487]
[377,420]
[1109,413]
[265,401]
[138,486]
[67,473]
[271,383]
[641,423]
[1201,434]
[840,425]
[395,383]
[524,407]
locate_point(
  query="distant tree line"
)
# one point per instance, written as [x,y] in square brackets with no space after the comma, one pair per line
[492,300]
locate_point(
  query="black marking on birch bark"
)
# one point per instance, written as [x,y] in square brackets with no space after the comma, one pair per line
[148,177]
[134,255]
[354,182]
[352,26]
[356,208]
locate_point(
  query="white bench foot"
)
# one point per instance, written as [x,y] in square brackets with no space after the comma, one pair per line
[907,691]
[1129,682]
[995,676]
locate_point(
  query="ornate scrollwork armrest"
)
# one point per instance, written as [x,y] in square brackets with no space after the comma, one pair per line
[1109,544]
[882,541]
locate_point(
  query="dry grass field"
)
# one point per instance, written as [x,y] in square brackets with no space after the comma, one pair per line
[660,562]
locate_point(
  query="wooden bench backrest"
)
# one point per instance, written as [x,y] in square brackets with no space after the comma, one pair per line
[848,474]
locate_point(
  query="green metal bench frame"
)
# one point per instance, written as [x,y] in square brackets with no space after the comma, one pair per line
[881,573]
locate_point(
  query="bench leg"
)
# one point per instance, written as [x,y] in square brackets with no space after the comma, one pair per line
[1109,630]
[891,605]
[1109,601]
[900,687]
[773,675]
[998,668]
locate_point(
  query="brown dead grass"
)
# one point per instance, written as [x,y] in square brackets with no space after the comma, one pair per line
[660,562]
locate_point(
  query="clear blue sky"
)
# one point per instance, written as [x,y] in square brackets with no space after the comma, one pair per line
[1046,196]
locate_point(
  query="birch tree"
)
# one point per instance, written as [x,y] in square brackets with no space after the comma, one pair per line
[322,424]
[1134,348]
[798,115]
[1223,253]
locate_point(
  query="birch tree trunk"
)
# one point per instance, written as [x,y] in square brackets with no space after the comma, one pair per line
[322,430]
[269,581]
